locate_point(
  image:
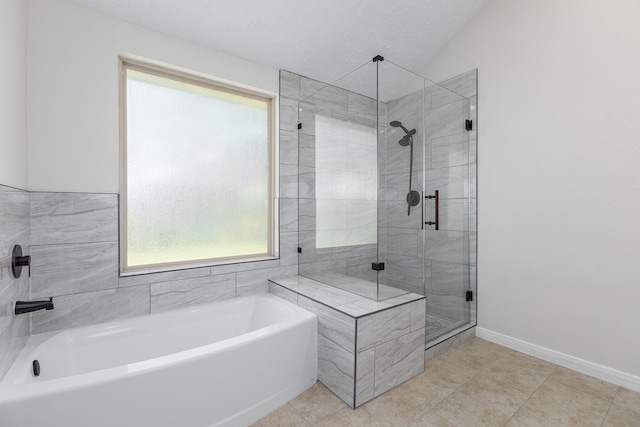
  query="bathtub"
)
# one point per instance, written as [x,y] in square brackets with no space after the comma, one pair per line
[223,364]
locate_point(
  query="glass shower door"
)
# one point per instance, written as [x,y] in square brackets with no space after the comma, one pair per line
[449,201]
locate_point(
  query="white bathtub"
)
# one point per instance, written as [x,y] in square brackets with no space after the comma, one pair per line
[227,363]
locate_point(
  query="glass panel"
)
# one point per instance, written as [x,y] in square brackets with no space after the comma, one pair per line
[338,182]
[401,181]
[447,250]
[187,196]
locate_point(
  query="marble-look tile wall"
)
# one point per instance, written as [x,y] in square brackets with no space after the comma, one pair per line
[439,264]
[337,147]
[359,358]
[14,229]
[75,251]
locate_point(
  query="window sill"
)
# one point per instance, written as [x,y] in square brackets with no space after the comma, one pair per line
[170,268]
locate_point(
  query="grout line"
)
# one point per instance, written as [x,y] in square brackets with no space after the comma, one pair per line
[609,408]
[534,392]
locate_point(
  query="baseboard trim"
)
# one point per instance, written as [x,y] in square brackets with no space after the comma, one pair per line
[595,370]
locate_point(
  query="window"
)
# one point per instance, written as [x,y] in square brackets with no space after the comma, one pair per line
[196,170]
[346,181]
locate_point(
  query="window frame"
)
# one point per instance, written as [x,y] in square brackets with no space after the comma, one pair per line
[199,79]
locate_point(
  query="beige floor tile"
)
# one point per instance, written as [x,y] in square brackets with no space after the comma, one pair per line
[555,404]
[621,416]
[404,404]
[431,419]
[628,399]
[463,410]
[448,373]
[504,387]
[586,383]
[476,353]
[527,364]
[285,416]
[317,403]
[350,418]
[625,409]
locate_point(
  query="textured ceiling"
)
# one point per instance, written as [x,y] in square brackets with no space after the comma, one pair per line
[322,39]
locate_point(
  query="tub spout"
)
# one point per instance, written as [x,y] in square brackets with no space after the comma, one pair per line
[22,307]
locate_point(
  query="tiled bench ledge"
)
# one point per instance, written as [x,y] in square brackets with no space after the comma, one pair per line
[365,347]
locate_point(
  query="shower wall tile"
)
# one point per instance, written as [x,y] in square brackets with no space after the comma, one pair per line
[449,278]
[398,158]
[446,120]
[73,218]
[89,308]
[289,115]
[453,214]
[447,246]
[288,248]
[403,241]
[383,326]
[411,103]
[243,266]
[446,306]
[397,185]
[365,376]
[418,313]
[256,281]
[307,182]
[14,229]
[408,270]
[283,293]
[288,181]
[187,292]
[322,95]
[441,96]
[333,325]
[463,84]
[337,266]
[398,360]
[289,85]
[396,215]
[288,215]
[307,241]
[335,369]
[14,220]
[451,150]
[361,106]
[451,182]
[168,276]
[73,268]
[288,147]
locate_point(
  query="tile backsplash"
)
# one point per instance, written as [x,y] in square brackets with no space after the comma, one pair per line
[14,229]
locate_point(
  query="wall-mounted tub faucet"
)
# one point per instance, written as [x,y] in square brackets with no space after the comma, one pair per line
[22,307]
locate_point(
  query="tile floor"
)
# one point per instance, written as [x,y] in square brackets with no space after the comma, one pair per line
[475,384]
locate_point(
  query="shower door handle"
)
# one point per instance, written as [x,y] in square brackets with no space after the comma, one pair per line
[437,209]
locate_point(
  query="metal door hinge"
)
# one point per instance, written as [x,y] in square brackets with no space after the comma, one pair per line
[299,125]
[468,125]
[469,295]
[299,250]
[377,266]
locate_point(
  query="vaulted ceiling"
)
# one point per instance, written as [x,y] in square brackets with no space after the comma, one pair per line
[322,39]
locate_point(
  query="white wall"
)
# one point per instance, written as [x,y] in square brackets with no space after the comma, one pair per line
[559,172]
[13,90]
[73,90]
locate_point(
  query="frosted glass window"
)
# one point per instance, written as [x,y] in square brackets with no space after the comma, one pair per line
[198,172]
[346,181]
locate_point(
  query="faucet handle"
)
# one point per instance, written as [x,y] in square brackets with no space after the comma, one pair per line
[18,261]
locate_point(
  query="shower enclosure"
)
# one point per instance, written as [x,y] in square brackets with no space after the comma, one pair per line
[387,189]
